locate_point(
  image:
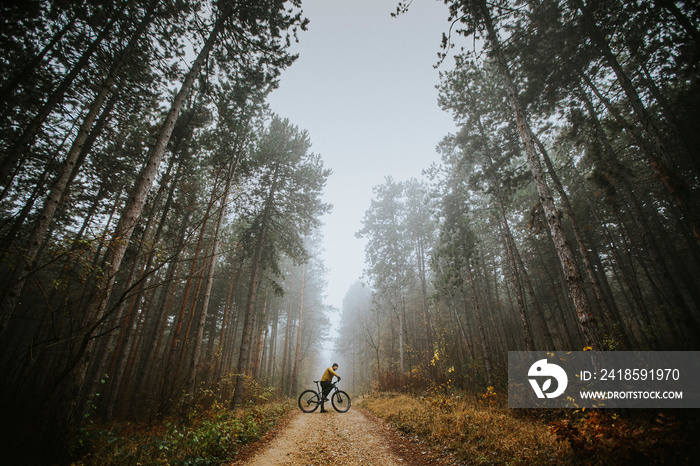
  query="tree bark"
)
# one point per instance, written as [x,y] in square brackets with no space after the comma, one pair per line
[658,154]
[635,209]
[283,385]
[609,309]
[210,280]
[256,266]
[176,342]
[297,354]
[70,380]
[59,186]
[19,149]
[574,283]
[480,325]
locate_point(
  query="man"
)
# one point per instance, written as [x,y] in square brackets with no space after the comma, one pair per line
[327,383]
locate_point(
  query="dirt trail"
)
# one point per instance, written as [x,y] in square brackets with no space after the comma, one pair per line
[352,438]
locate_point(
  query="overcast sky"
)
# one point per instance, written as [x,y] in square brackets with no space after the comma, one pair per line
[364,89]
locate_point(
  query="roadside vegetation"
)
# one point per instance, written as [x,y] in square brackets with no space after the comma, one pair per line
[212,435]
[480,429]
[466,427]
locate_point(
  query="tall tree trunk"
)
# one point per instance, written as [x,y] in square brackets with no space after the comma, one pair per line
[402,325]
[20,147]
[515,277]
[272,357]
[297,353]
[682,19]
[59,186]
[455,313]
[640,218]
[210,280]
[177,340]
[574,283]
[420,252]
[160,310]
[65,396]
[9,87]
[480,325]
[187,335]
[101,366]
[286,350]
[260,373]
[509,243]
[259,348]
[658,154]
[224,326]
[537,309]
[256,266]
[609,309]
[259,330]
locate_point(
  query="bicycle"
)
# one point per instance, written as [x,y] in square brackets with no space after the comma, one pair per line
[310,400]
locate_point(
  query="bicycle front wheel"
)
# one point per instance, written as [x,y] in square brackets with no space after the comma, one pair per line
[309,401]
[341,401]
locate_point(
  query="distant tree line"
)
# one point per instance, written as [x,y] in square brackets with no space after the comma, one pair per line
[158,225]
[564,214]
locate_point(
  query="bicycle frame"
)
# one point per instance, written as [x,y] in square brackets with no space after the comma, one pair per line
[310,400]
[319,390]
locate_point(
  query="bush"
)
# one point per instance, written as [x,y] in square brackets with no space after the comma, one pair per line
[213,436]
[481,430]
[476,433]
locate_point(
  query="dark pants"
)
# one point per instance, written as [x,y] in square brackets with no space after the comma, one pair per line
[326,388]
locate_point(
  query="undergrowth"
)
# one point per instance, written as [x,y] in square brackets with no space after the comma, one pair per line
[213,436]
[482,430]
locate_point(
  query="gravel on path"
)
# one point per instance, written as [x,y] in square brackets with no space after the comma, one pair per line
[353,438]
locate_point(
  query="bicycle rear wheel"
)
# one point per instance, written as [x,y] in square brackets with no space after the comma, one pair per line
[341,401]
[309,401]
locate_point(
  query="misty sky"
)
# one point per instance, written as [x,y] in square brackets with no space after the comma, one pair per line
[364,89]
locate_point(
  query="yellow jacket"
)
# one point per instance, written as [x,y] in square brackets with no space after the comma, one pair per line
[328,375]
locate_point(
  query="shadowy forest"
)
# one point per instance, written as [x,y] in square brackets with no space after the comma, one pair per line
[564,214]
[160,228]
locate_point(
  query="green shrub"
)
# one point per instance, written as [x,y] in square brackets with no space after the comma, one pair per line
[213,436]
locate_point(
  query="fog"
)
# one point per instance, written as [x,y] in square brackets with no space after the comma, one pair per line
[364,88]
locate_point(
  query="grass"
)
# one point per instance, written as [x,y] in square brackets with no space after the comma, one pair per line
[476,435]
[482,432]
[213,436]
[473,430]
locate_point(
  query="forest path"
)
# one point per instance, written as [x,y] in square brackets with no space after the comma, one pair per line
[352,438]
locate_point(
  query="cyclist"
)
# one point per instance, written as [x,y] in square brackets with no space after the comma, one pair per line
[327,383]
